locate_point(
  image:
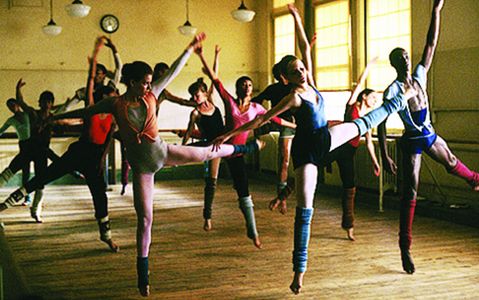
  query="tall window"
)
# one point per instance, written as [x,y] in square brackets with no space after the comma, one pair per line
[283,36]
[388,27]
[333,55]
[333,46]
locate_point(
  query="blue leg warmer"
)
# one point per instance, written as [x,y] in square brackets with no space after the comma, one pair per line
[302,232]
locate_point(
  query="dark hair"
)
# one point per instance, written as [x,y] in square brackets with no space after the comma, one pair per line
[46,96]
[12,101]
[364,92]
[106,89]
[276,72]
[394,56]
[198,85]
[135,71]
[239,82]
[159,67]
[282,65]
[102,68]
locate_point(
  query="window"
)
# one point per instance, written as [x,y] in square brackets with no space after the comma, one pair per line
[283,36]
[332,55]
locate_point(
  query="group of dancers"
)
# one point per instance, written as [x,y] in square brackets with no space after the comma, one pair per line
[298,108]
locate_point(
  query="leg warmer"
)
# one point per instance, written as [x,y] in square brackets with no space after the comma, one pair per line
[406,217]
[210,188]
[302,232]
[461,170]
[247,208]
[348,208]
[142,271]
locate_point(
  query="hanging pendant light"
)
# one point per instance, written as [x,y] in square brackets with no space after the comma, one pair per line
[187,29]
[77,9]
[242,14]
[52,28]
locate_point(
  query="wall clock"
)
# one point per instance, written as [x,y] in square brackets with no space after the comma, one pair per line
[109,23]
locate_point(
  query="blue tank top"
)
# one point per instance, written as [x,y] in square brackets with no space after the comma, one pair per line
[310,116]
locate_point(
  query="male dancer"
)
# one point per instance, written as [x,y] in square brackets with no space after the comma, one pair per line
[419,135]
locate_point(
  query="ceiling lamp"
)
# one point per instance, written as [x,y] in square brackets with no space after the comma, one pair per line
[52,28]
[187,29]
[77,9]
[243,14]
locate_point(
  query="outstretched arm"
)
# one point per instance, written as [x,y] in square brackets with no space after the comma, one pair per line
[159,85]
[100,41]
[178,100]
[432,35]
[19,96]
[292,100]
[216,66]
[303,42]
[360,83]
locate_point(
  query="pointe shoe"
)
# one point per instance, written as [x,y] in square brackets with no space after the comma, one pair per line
[113,247]
[257,243]
[350,233]
[207,225]
[38,219]
[123,190]
[297,283]
[407,263]
[144,290]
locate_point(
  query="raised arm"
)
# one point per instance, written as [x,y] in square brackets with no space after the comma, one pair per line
[116,76]
[432,35]
[216,65]
[303,42]
[19,96]
[100,41]
[159,85]
[206,68]
[360,83]
[178,100]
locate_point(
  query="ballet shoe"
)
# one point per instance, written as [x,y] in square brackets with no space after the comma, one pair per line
[407,263]
[38,219]
[113,247]
[144,290]
[123,189]
[350,233]
[207,225]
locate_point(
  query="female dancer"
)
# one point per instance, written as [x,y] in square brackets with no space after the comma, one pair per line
[239,111]
[87,155]
[135,113]
[358,105]
[207,117]
[312,141]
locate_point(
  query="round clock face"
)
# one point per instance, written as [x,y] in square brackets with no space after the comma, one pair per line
[109,23]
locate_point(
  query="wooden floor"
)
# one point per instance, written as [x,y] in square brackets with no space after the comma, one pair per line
[63,258]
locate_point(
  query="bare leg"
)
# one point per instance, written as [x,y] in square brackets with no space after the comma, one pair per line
[143,200]
[306,178]
[342,133]
[440,152]
[180,155]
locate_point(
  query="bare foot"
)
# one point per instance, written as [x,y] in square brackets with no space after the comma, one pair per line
[297,283]
[207,225]
[113,247]
[257,242]
[350,232]
[144,290]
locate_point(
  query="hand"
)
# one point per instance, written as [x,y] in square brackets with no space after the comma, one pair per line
[196,42]
[217,142]
[377,170]
[389,165]
[438,4]
[373,60]
[20,83]
[292,9]
[109,44]
[275,203]
[313,39]
[217,49]
[198,49]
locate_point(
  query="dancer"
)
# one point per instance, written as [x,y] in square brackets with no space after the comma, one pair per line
[312,141]
[86,155]
[239,111]
[135,113]
[419,134]
[207,117]
[359,103]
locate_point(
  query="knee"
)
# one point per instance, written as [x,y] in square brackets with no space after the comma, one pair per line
[145,222]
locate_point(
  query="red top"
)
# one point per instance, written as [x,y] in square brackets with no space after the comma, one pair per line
[352,113]
[100,125]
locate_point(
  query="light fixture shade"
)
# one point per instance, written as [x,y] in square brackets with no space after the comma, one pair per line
[52,28]
[77,9]
[242,14]
[187,29]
